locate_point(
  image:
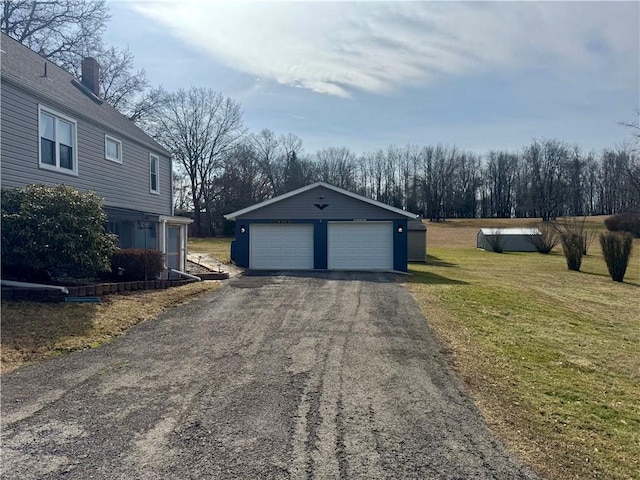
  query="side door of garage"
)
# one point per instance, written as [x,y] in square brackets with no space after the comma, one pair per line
[360,246]
[276,246]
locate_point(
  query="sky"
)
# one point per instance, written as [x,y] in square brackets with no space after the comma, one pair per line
[365,75]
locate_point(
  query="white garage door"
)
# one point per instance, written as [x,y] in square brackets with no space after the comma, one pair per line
[281,246]
[360,246]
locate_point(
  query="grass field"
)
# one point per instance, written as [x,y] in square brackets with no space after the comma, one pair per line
[217,247]
[552,357]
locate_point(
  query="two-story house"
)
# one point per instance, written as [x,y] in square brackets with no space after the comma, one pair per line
[55,129]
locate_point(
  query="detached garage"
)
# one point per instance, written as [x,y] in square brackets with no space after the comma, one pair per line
[320,227]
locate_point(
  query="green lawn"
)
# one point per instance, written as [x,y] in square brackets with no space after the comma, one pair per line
[551,356]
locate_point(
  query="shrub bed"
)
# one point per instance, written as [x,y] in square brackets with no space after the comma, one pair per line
[624,222]
[137,264]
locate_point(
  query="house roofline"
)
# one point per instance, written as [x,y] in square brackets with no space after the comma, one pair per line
[176,219]
[40,97]
[147,140]
[293,193]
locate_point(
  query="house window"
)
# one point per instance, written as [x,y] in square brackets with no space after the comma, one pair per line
[57,142]
[154,173]
[112,149]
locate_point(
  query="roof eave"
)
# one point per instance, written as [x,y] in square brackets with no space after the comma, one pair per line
[244,211]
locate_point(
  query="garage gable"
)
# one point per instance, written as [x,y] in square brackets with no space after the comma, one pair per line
[320,201]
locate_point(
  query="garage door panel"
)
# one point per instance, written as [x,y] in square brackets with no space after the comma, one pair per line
[281,246]
[360,246]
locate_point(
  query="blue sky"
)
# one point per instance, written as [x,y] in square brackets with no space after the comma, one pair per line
[478,75]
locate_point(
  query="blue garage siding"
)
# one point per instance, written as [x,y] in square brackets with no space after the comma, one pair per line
[400,245]
[320,245]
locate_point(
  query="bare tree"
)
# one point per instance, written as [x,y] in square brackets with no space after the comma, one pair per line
[268,150]
[576,182]
[593,179]
[65,32]
[634,124]
[297,170]
[121,85]
[501,174]
[438,171]
[181,193]
[545,163]
[466,185]
[198,126]
[61,30]
[336,166]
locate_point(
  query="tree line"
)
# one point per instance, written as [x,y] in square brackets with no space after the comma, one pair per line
[545,179]
[222,167]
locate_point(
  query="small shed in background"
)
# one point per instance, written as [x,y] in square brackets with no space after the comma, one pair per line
[509,239]
[417,241]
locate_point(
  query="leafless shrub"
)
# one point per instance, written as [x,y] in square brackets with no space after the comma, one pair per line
[496,239]
[547,240]
[616,248]
[573,238]
[588,236]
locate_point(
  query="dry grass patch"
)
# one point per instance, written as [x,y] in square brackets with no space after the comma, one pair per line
[552,357]
[34,331]
[462,232]
[219,248]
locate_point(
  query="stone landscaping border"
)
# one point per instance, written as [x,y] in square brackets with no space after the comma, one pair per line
[94,290]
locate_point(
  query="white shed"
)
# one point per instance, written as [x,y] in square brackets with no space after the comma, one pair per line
[507,239]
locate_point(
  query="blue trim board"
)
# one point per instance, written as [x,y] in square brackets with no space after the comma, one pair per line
[320,246]
[400,245]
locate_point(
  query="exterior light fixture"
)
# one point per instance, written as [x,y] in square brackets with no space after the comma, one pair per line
[243,229]
[400,229]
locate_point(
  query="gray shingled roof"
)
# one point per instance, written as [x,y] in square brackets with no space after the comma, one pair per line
[24,67]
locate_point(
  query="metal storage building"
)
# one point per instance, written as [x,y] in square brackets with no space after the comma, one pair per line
[417,241]
[512,239]
[321,227]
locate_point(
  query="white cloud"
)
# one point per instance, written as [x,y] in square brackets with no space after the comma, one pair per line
[336,48]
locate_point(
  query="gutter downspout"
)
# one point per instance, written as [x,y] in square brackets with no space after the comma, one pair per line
[185,274]
[33,286]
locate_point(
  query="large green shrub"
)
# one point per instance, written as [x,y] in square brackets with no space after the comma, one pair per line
[45,229]
[137,264]
[616,249]
[624,222]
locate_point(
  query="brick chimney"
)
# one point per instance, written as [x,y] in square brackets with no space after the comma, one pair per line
[91,74]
